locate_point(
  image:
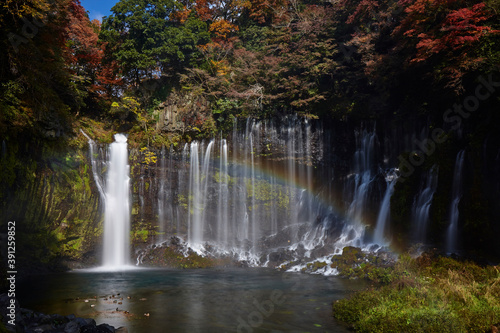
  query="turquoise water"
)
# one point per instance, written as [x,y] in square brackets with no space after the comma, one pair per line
[209,300]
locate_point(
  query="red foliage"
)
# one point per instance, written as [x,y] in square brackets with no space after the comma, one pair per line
[84,54]
[82,39]
[460,28]
[447,28]
[365,9]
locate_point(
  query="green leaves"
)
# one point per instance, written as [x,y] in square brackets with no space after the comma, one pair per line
[147,41]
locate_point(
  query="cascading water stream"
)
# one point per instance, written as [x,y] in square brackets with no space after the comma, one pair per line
[116,252]
[194,223]
[452,232]
[359,187]
[222,228]
[422,204]
[93,163]
[273,194]
[163,198]
[385,209]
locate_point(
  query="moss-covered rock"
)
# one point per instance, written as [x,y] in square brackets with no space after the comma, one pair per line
[354,263]
[176,254]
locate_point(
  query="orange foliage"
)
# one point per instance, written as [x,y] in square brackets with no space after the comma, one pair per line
[181,15]
[203,10]
[81,46]
[268,11]
[18,9]
[222,29]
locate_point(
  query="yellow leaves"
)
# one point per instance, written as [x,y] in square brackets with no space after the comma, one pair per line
[222,28]
[131,101]
[215,55]
[220,67]
[24,9]
[149,156]
[129,104]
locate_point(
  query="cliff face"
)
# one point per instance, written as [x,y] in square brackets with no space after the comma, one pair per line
[47,189]
[181,112]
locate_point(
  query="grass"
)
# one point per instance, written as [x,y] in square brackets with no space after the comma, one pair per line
[427,294]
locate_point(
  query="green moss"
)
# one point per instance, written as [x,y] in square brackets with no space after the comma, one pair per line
[318,265]
[173,258]
[140,235]
[54,204]
[230,180]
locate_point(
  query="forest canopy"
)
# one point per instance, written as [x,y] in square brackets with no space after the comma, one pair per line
[332,59]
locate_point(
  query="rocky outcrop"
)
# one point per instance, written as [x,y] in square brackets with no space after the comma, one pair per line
[27,321]
[180,112]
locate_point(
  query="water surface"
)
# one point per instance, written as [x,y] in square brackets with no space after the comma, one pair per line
[210,300]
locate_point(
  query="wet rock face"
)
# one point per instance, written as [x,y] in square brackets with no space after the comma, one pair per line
[27,321]
[50,195]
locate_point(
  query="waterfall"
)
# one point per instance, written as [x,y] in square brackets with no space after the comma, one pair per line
[222,222]
[117,207]
[205,182]
[269,195]
[358,186]
[95,167]
[199,179]
[364,164]
[163,198]
[195,232]
[422,204]
[452,232]
[385,209]
[253,213]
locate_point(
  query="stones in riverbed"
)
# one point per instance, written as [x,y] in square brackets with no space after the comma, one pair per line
[28,321]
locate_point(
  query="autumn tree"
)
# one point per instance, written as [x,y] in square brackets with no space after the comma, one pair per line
[35,92]
[268,12]
[83,54]
[447,35]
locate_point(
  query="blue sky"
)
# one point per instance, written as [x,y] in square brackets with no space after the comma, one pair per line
[98,8]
